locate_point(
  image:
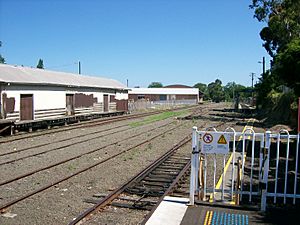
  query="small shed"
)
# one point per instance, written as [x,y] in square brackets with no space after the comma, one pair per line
[31,93]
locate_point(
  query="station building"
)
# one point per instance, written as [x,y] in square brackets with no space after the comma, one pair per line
[175,92]
[31,93]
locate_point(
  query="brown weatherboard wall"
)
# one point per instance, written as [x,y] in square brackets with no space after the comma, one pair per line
[112,98]
[122,105]
[8,105]
[83,100]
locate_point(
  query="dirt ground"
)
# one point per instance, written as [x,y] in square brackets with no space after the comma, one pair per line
[61,203]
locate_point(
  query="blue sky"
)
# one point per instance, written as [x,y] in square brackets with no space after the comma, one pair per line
[169,41]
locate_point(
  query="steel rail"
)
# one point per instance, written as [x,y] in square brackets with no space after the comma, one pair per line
[109,198]
[59,141]
[61,147]
[51,142]
[13,202]
[174,183]
[78,156]
[92,123]
[113,195]
[75,126]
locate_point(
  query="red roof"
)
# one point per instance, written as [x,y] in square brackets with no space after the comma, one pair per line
[177,86]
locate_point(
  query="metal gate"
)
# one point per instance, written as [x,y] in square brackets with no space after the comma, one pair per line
[259,166]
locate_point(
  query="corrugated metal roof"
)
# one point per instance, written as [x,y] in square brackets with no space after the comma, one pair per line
[26,75]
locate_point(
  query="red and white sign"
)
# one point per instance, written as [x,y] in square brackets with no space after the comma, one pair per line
[215,142]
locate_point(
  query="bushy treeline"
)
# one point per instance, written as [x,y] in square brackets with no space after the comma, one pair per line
[279,88]
[215,92]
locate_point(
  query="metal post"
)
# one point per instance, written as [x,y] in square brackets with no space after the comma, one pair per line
[299,115]
[238,181]
[264,66]
[264,183]
[193,166]
[296,170]
[79,67]
[252,74]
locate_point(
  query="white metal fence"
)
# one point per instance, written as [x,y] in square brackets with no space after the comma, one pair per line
[260,166]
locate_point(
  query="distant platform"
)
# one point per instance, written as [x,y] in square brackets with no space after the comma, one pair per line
[9,127]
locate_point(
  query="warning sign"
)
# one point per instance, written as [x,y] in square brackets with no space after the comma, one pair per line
[222,140]
[215,142]
[208,138]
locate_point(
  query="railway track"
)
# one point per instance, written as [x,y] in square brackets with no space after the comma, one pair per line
[53,183]
[97,122]
[140,200]
[169,174]
[51,142]
[144,190]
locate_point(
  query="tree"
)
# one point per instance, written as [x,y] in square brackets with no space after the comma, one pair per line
[155,85]
[40,64]
[283,20]
[287,66]
[202,87]
[215,91]
[2,60]
[233,90]
[281,39]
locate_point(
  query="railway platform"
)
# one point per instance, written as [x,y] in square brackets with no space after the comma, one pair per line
[176,211]
[10,127]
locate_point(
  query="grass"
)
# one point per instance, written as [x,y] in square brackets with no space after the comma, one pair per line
[158,117]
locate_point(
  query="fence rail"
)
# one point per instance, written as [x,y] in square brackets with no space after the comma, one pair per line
[260,166]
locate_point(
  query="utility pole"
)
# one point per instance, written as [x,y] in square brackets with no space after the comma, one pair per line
[127,82]
[252,78]
[264,66]
[79,67]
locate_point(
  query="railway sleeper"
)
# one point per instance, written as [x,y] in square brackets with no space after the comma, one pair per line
[180,192]
[179,158]
[138,202]
[183,185]
[161,176]
[161,173]
[158,184]
[132,206]
[158,180]
[176,171]
[176,162]
[148,193]
[125,198]
[171,167]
